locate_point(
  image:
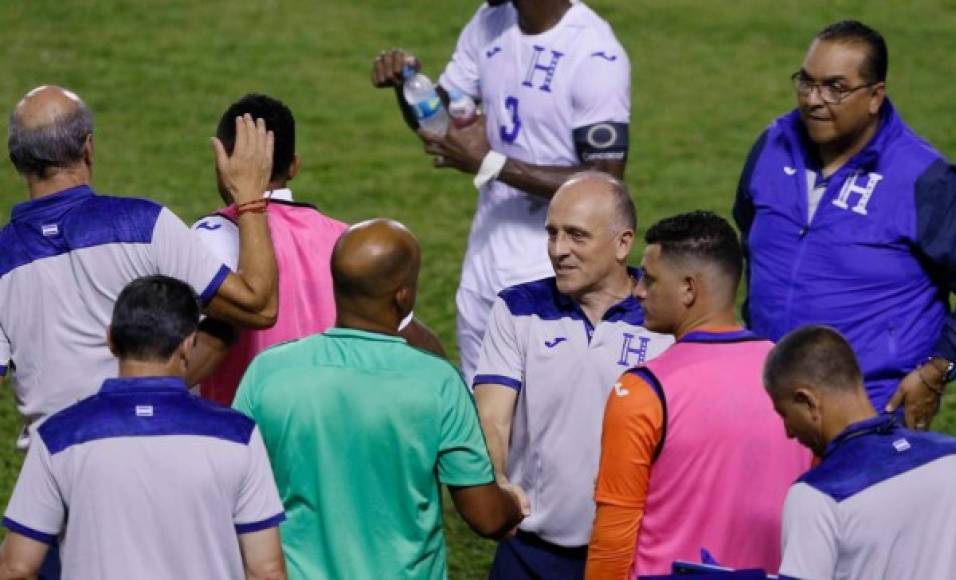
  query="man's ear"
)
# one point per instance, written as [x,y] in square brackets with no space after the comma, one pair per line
[404,300]
[624,242]
[293,167]
[808,400]
[186,346]
[109,340]
[88,151]
[689,288]
[876,98]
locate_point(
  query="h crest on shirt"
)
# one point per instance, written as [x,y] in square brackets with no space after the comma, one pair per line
[852,187]
[536,66]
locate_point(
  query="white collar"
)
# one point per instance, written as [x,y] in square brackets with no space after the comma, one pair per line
[284,194]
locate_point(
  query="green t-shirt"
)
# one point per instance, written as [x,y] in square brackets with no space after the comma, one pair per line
[361,428]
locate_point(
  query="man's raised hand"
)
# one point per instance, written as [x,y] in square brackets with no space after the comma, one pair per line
[247,171]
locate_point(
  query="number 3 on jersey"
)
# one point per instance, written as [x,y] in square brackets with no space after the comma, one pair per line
[509,134]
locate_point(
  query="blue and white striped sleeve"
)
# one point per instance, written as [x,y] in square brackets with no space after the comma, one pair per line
[502,353]
[258,506]
[36,509]
[179,254]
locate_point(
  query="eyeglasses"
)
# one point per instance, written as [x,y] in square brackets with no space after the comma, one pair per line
[831,92]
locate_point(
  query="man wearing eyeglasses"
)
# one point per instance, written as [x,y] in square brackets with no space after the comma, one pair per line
[849,219]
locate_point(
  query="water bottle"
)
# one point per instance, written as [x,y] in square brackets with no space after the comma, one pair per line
[461,108]
[420,94]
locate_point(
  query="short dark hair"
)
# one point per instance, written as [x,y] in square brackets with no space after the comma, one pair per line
[278,119]
[700,234]
[815,355]
[151,318]
[57,145]
[873,69]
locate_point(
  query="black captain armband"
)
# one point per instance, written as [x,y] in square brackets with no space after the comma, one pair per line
[601,141]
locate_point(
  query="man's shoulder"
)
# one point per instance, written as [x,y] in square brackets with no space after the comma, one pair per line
[137,415]
[96,221]
[865,461]
[539,297]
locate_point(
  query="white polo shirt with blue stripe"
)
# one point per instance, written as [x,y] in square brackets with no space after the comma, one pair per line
[65,258]
[144,480]
[541,343]
[881,504]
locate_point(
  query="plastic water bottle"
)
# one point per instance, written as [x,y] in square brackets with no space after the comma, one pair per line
[461,108]
[420,94]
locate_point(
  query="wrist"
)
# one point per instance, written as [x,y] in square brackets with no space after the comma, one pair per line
[490,167]
[943,367]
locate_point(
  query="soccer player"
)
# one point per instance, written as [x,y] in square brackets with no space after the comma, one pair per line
[848,219]
[554,86]
[692,455]
[68,252]
[552,351]
[881,502]
[362,428]
[302,238]
[143,479]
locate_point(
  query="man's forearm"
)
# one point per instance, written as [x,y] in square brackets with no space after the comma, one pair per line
[496,436]
[611,549]
[257,264]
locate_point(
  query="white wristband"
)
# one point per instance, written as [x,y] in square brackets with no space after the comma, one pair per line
[491,166]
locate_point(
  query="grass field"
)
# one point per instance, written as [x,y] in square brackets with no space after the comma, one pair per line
[707,77]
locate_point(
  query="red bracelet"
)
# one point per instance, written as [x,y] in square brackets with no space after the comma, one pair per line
[254,206]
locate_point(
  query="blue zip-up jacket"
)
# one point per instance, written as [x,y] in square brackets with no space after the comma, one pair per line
[878,259]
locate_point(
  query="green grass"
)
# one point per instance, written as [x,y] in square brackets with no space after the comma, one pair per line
[707,77]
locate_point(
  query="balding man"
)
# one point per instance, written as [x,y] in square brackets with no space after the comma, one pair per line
[692,455]
[362,428]
[68,252]
[552,351]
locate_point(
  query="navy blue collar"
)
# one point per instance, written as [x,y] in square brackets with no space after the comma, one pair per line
[617,312]
[144,384]
[881,424]
[710,337]
[54,203]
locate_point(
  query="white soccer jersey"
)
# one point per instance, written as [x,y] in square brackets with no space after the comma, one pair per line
[143,480]
[534,91]
[540,343]
[65,259]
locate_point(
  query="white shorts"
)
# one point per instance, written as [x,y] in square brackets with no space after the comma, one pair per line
[471,322]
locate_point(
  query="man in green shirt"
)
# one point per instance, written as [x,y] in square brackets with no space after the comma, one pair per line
[361,429]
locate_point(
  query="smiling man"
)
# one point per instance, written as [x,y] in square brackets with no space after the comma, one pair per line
[849,219]
[552,351]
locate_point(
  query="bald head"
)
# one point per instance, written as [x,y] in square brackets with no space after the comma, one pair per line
[593,187]
[375,267]
[49,129]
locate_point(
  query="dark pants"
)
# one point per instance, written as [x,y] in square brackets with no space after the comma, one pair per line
[528,557]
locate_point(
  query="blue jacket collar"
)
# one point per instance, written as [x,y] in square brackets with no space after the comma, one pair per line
[881,424]
[144,384]
[50,205]
[890,127]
